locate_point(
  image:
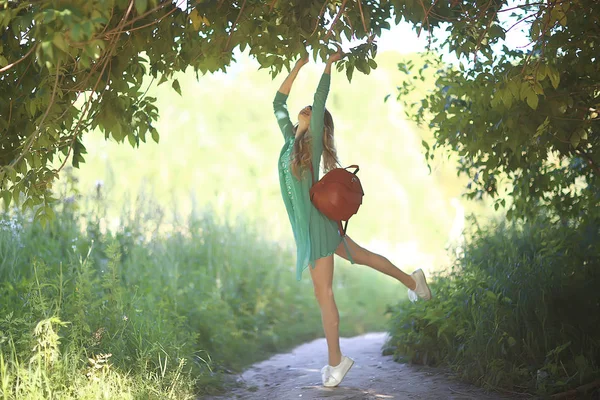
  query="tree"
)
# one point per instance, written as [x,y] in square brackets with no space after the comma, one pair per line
[531,115]
[68,67]
[523,119]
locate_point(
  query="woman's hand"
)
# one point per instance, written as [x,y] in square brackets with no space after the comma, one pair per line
[337,56]
[286,86]
[302,61]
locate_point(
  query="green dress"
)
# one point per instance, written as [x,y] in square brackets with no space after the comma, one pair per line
[315,235]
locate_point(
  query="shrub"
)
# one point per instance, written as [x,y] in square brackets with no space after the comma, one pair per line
[520,310]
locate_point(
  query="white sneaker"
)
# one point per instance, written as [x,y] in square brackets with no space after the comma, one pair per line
[333,376]
[422,290]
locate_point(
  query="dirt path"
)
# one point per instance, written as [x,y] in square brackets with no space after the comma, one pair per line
[296,375]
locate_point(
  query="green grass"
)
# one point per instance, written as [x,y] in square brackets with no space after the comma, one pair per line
[520,311]
[158,308]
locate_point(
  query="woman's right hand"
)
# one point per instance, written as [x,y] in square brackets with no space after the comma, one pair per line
[337,56]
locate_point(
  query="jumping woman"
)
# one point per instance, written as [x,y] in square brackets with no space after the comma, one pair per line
[317,237]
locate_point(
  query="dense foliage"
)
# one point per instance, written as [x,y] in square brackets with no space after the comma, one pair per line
[527,114]
[69,67]
[136,313]
[524,120]
[520,311]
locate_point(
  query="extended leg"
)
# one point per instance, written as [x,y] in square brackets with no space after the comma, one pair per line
[365,257]
[322,277]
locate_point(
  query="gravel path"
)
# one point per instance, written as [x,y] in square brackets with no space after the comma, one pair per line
[296,375]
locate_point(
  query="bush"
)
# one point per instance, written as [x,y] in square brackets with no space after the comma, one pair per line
[520,310]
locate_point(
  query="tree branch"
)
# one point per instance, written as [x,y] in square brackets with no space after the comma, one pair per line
[41,125]
[9,66]
[319,17]
[273,5]
[335,20]
[106,61]
[234,24]
[362,16]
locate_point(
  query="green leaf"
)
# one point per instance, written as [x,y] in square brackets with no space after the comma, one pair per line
[537,88]
[349,71]
[532,100]
[132,140]
[3,61]
[554,76]
[507,97]
[7,196]
[155,135]
[575,139]
[141,5]
[542,127]
[535,30]
[497,31]
[176,86]
[47,49]
[196,20]
[60,42]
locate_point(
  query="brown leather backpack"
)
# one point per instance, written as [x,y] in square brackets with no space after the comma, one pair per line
[338,195]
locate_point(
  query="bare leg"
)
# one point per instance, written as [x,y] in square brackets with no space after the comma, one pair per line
[322,277]
[365,257]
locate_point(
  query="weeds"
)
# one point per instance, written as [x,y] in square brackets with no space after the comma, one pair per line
[148,310]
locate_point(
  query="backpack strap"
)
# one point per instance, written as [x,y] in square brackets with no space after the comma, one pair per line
[353,166]
[350,258]
[341,228]
[312,172]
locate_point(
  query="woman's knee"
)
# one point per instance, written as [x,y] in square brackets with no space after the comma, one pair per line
[361,255]
[323,292]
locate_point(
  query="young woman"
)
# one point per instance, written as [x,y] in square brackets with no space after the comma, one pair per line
[317,237]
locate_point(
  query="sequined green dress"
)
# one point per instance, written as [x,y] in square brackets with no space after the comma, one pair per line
[315,235]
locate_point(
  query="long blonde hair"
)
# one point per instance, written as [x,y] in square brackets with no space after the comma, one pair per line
[301,157]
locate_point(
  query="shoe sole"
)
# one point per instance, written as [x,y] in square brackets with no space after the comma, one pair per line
[422,274]
[343,375]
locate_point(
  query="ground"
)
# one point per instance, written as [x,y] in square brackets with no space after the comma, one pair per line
[296,375]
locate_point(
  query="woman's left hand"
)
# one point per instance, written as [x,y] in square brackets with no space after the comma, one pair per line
[303,60]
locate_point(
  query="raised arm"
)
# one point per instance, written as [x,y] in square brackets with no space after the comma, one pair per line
[318,111]
[279,103]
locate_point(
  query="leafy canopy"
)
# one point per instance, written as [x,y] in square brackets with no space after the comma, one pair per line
[529,116]
[522,119]
[67,67]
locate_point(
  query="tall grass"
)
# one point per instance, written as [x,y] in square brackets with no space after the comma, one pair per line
[152,309]
[520,311]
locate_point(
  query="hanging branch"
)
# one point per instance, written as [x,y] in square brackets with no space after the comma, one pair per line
[106,61]
[41,125]
[9,66]
[425,20]
[335,20]
[233,26]
[362,16]
[319,17]
[272,6]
